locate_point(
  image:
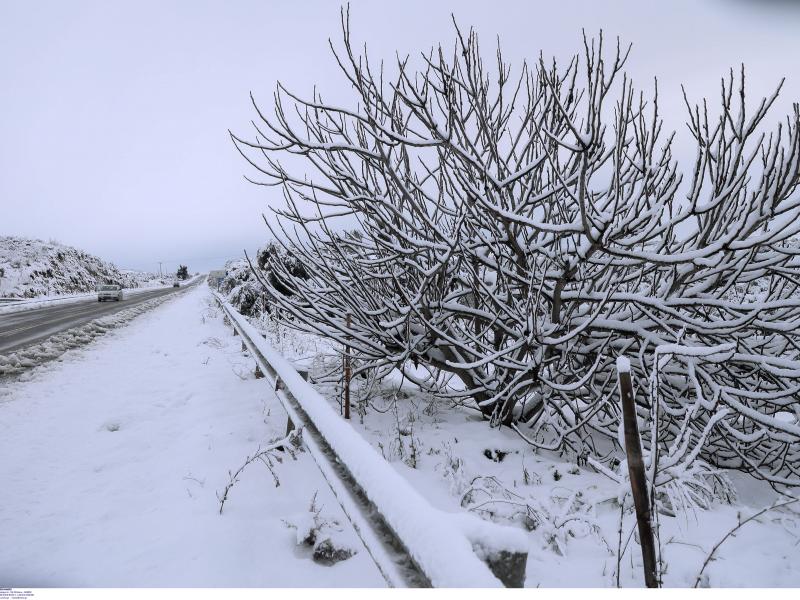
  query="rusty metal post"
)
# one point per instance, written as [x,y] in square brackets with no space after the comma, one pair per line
[347,376]
[633,450]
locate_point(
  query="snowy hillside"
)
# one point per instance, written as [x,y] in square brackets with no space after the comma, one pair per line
[32,268]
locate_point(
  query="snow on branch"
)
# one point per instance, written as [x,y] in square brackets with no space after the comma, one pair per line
[517,230]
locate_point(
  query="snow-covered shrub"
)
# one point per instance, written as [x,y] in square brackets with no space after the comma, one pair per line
[403,443]
[268,456]
[324,534]
[678,475]
[242,289]
[519,231]
[557,518]
[245,288]
[452,470]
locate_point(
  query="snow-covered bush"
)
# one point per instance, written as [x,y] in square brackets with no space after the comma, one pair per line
[556,517]
[269,456]
[322,533]
[245,288]
[242,289]
[517,231]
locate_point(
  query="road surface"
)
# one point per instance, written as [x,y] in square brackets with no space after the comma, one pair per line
[27,327]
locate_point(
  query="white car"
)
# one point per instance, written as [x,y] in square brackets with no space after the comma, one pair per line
[109,292]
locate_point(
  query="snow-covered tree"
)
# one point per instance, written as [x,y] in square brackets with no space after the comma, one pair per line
[247,286]
[502,236]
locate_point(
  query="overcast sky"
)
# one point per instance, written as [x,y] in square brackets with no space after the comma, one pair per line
[114,115]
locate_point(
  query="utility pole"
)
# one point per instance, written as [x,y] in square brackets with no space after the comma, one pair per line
[160,274]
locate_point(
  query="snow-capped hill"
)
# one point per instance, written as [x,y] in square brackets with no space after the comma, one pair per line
[31,268]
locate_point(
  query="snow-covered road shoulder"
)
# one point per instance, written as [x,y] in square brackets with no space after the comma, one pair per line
[112,460]
[18,361]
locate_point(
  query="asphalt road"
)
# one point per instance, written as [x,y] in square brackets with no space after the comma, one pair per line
[27,327]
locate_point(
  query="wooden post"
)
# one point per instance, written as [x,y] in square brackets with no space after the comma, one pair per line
[235,332]
[258,373]
[347,376]
[633,450]
[244,347]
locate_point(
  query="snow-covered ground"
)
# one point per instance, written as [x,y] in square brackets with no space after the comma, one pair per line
[112,459]
[570,512]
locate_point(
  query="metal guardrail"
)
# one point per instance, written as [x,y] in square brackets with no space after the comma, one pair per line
[401,562]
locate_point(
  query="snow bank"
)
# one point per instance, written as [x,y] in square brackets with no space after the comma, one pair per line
[41,302]
[56,345]
[439,542]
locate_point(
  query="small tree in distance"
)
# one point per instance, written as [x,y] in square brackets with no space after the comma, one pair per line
[518,232]
[183,272]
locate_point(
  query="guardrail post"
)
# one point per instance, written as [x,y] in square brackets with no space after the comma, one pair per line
[509,567]
[633,450]
[347,376]
[289,423]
